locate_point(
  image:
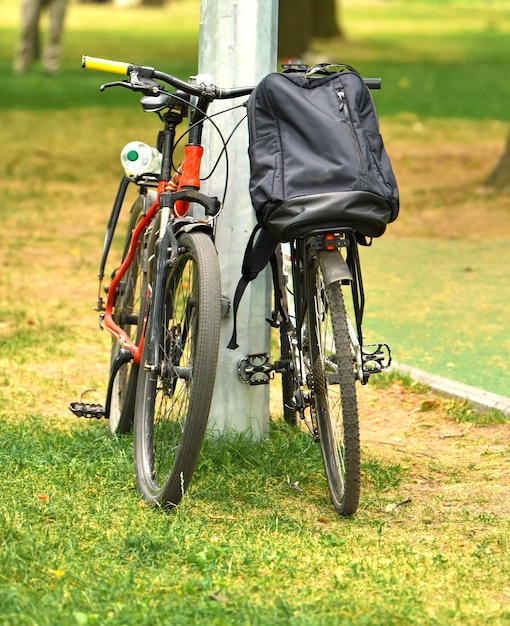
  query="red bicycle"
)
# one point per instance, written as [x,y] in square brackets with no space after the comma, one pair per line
[163,304]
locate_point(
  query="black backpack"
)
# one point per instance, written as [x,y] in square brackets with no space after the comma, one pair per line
[317,161]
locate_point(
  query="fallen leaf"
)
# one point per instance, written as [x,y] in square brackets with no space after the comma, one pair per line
[219,597]
[393,507]
[429,405]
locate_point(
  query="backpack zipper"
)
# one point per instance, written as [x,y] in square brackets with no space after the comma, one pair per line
[347,115]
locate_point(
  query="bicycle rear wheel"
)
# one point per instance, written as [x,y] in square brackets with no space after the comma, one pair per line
[126,313]
[174,395]
[333,389]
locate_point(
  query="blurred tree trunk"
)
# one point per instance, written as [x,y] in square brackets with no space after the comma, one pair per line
[500,175]
[299,21]
[326,23]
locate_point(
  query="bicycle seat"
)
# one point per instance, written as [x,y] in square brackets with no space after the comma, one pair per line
[153,104]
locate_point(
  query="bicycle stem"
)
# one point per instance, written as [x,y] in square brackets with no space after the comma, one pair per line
[189,177]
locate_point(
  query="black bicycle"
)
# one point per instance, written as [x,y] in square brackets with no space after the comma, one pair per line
[321,352]
[317,282]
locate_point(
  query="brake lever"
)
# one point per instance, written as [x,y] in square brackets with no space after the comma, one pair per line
[117,83]
[147,86]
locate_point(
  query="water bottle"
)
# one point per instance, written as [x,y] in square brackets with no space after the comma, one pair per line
[138,158]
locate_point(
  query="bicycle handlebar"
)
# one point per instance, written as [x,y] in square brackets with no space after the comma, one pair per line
[140,73]
[104,65]
[372,83]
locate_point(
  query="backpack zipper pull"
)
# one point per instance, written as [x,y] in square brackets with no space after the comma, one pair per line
[341,98]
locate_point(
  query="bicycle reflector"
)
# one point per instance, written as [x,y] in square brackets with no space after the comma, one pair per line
[330,242]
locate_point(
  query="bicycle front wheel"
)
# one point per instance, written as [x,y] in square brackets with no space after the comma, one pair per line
[174,394]
[333,389]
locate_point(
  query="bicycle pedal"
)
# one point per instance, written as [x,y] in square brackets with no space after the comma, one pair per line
[89,411]
[255,369]
[375,357]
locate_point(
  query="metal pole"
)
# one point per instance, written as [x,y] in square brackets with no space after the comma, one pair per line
[238,46]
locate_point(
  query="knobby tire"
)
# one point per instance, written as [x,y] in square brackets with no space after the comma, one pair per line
[333,388]
[173,400]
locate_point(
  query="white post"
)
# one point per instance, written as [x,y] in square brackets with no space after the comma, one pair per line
[238,47]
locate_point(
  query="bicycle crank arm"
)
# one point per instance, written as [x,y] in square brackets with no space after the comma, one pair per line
[98,411]
[124,356]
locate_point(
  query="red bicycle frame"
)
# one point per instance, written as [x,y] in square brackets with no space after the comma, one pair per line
[187,177]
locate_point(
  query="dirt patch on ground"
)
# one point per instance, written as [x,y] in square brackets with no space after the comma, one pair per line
[455,462]
[444,462]
[441,168]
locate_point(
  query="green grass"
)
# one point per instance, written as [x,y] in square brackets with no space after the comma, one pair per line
[244,548]
[256,540]
[101,30]
[464,412]
[437,59]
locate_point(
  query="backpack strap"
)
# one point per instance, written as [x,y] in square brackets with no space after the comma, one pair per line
[256,256]
[325,69]
[280,312]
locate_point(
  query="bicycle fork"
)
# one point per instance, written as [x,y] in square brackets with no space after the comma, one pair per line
[166,255]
